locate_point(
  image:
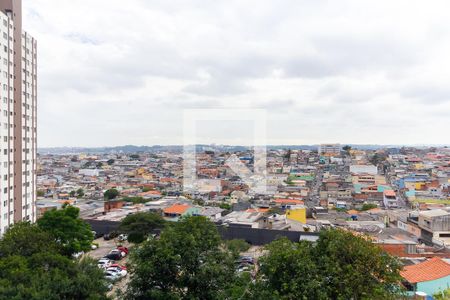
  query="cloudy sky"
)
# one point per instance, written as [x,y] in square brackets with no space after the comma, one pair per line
[114,72]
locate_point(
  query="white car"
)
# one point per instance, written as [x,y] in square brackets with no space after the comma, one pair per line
[112,276]
[122,237]
[114,251]
[117,270]
[104,263]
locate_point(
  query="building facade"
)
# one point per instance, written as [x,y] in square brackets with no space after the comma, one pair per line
[18,79]
[329,149]
[435,226]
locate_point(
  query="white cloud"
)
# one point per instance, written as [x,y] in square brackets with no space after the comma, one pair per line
[120,72]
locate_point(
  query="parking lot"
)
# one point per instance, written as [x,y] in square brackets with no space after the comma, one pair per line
[104,247]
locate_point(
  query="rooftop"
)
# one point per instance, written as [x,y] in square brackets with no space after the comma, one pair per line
[177,209]
[434,213]
[432,269]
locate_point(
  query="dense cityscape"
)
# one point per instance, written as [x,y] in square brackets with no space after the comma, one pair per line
[399,197]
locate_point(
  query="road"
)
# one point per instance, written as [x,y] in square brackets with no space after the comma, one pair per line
[313,198]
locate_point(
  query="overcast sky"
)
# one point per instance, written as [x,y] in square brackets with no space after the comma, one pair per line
[121,72]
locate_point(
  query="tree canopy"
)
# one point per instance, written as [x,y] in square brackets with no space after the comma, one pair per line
[442,295]
[367,206]
[186,262]
[80,193]
[111,194]
[339,266]
[237,246]
[140,225]
[72,233]
[32,267]
[190,261]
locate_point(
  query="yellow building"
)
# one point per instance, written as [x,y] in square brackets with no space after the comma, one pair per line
[297,213]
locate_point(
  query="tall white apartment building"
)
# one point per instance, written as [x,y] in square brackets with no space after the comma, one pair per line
[329,149]
[18,93]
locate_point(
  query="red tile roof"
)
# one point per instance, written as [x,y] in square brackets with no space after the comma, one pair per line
[432,269]
[288,201]
[389,193]
[177,209]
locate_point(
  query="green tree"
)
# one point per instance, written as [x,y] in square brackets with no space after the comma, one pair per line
[25,239]
[236,246]
[442,295]
[50,276]
[40,193]
[275,210]
[339,266]
[288,154]
[367,206]
[146,189]
[72,193]
[140,225]
[135,156]
[135,199]
[80,193]
[377,158]
[347,149]
[32,267]
[290,272]
[187,262]
[111,194]
[110,161]
[72,233]
[354,268]
[225,206]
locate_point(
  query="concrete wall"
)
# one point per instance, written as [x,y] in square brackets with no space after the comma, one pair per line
[253,236]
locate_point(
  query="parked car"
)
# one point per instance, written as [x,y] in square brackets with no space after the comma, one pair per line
[123,249]
[118,266]
[118,270]
[122,237]
[243,268]
[104,263]
[112,276]
[109,236]
[246,259]
[114,256]
[121,253]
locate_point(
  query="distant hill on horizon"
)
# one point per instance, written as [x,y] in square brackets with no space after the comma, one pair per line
[179,148]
